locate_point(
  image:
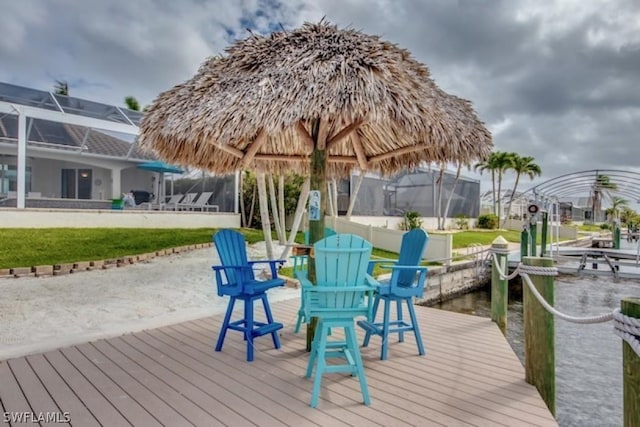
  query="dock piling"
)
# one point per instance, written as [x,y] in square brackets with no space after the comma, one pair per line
[539,334]
[630,369]
[499,285]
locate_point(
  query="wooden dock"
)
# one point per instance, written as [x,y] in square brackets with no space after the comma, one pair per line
[171,376]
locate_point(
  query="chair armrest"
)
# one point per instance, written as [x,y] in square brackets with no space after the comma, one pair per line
[238,268]
[371,281]
[304,279]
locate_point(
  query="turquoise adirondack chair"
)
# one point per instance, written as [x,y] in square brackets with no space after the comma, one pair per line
[300,263]
[235,278]
[402,287]
[343,291]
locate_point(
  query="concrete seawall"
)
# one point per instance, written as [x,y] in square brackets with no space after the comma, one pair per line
[448,282]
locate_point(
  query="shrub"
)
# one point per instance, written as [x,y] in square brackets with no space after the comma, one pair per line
[462,221]
[411,220]
[605,226]
[488,221]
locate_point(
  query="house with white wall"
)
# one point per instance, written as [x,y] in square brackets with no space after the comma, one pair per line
[60,147]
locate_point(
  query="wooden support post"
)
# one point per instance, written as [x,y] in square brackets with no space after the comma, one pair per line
[533,231]
[524,243]
[630,369]
[318,182]
[499,286]
[539,334]
[543,235]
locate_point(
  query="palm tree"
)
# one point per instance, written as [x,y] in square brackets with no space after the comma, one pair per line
[627,215]
[617,203]
[600,187]
[521,166]
[132,103]
[489,164]
[61,88]
[498,162]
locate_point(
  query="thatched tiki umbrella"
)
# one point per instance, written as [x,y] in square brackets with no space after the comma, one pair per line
[316,100]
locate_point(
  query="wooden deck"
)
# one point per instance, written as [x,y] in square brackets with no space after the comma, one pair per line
[171,376]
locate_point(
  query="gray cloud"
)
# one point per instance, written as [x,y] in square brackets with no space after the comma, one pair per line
[558,81]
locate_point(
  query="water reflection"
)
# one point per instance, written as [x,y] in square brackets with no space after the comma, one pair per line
[588,357]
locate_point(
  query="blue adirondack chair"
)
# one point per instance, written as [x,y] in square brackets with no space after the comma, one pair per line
[235,278]
[300,263]
[402,287]
[342,292]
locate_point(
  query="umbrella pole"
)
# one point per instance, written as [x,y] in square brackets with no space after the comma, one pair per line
[318,181]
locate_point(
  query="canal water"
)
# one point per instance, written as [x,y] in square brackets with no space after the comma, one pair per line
[588,357]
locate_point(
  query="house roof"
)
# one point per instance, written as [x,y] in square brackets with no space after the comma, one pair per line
[67,137]
[67,104]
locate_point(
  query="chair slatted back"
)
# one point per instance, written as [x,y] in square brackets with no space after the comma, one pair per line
[232,249]
[413,244]
[341,261]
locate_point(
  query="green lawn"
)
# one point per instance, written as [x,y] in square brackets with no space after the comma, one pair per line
[25,247]
[463,239]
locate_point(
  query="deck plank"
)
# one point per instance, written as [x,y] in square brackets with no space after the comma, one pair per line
[144,396]
[35,393]
[283,383]
[297,370]
[468,406]
[117,395]
[96,403]
[283,406]
[246,401]
[61,393]
[143,372]
[172,375]
[166,371]
[13,400]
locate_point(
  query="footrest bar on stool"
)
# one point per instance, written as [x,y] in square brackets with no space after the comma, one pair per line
[369,327]
[267,329]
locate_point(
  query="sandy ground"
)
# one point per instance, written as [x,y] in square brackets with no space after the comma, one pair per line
[40,314]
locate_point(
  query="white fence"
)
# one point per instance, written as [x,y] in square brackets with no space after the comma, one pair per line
[440,246]
[393,222]
[87,218]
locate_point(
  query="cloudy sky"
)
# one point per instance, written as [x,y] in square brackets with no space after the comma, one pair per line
[556,80]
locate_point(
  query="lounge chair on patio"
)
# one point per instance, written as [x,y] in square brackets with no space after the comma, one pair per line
[187,200]
[172,203]
[202,203]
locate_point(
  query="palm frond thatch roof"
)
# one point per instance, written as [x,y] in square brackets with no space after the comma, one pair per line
[271,100]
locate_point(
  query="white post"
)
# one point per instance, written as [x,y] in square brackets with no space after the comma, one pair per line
[297,217]
[236,200]
[22,158]
[264,212]
[354,193]
[116,183]
[330,210]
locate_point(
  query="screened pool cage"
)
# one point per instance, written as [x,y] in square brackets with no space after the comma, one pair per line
[407,191]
